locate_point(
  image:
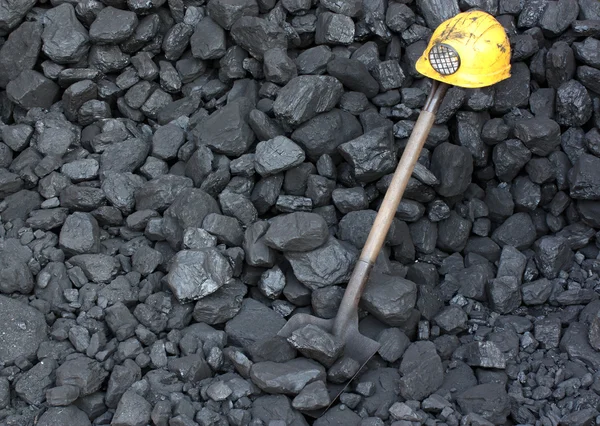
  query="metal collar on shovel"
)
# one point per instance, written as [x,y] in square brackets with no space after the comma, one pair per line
[469,50]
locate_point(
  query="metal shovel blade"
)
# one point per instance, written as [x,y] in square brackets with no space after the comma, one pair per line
[356,346]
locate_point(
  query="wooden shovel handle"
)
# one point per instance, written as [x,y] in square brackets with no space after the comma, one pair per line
[348,308]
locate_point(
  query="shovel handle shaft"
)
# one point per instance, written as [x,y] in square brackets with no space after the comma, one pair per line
[348,308]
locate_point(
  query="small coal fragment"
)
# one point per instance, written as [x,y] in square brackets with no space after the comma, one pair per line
[315,343]
[314,396]
[287,377]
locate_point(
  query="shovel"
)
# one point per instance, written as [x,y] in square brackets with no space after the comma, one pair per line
[469,50]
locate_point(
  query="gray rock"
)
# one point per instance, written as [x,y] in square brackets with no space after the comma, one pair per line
[287,378]
[31,89]
[121,379]
[64,415]
[80,170]
[451,319]
[536,292]
[120,321]
[208,40]
[80,234]
[306,96]
[157,194]
[222,305]
[62,395]
[314,60]
[422,371]
[453,166]
[83,372]
[489,400]
[278,67]
[277,155]
[558,16]
[540,135]
[393,343]
[517,231]
[227,13]
[258,35]
[583,180]
[389,298]
[77,95]
[145,260]
[325,132]
[314,396]
[548,332]
[24,329]
[238,206]
[481,354]
[272,282]
[389,75]
[514,91]
[256,250]
[315,343]
[12,14]
[99,268]
[195,274]
[226,131]
[334,28]
[47,219]
[347,200]
[175,43]
[133,410]
[166,141]
[453,233]
[253,323]
[504,294]
[65,39]
[329,264]
[552,255]
[573,104]
[20,51]
[371,155]
[113,26]
[126,156]
[107,58]
[575,343]
[32,385]
[355,227]
[296,232]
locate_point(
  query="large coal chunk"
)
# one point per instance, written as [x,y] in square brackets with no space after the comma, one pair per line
[355,227]
[298,232]
[20,51]
[517,231]
[509,158]
[354,75]
[452,165]
[195,274]
[222,305]
[334,28]
[573,104]
[11,14]
[437,11]
[126,156]
[422,371]
[226,130]
[453,233]
[514,91]
[540,135]
[113,25]
[389,298]
[552,255]
[325,132]
[64,415]
[23,330]
[208,41]
[277,155]
[558,16]
[84,372]
[257,35]
[489,400]
[306,96]
[315,343]
[226,13]
[254,323]
[32,89]
[188,210]
[371,155]
[330,264]
[66,40]
[584,179]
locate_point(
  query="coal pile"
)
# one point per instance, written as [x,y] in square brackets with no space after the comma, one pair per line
[179,177]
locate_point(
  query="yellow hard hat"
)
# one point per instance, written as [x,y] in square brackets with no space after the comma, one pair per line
[469,50]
